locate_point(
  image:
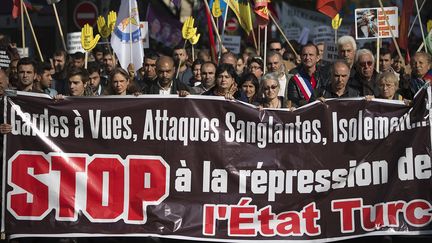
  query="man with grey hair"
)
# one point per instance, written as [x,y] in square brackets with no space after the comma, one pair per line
[365,78]
[347,48]
[275,65]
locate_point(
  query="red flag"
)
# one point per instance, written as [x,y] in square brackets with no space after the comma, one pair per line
[404,23]
[211,37]
[16,8]
[329,7]
[261,11]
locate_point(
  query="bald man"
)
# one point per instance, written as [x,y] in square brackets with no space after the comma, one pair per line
[4,84]
[4,81]
[338,86]
[166,83]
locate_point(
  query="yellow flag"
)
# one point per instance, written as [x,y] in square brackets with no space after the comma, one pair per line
[194,39]
[336,22]
[242,10]
[216,10]
[88,41]
[188,30]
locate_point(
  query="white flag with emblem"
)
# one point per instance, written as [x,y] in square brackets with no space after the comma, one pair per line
[126,38]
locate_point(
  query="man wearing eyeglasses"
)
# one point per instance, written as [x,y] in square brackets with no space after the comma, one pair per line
[365,78]
[275,65]
[276,46]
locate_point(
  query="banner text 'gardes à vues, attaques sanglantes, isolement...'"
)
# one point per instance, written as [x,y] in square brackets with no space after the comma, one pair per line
[208,168]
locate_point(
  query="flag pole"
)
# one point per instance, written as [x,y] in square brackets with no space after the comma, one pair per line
[179,63]
[225,20]
[223,30]
[335,31]
[59,26]
[32,30]
[193,54]
[259,41]
[420,22]
[254,38]
[377,54]
[85,59]
[415,19]
[392,35]
[214,24]
[130,32]
[265,49]
[283,34]
[22,26]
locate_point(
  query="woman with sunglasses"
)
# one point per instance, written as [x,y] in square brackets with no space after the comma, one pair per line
[269,90]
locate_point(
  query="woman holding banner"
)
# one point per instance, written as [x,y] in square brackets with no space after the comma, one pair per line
[226,85]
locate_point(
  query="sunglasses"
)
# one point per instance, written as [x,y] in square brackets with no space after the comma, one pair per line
[364,64]
[276,49]
[267,88]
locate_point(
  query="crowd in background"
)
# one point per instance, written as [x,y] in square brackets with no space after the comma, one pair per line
[286,81]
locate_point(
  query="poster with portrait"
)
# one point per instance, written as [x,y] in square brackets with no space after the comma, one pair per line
[163,28]
[371,23]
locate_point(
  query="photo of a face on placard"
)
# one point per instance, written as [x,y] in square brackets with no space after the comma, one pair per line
[366,23]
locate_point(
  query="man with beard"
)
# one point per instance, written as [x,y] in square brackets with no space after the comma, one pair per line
[147,74]
[347,49]
[184,73]
[26,74]
[208,78]
[96,83]
[166,83]
[339,77]
[275,65]
[109,63]
[13,72]
[43,79]
[59,82]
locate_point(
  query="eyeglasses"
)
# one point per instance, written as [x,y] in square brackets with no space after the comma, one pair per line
[364,64]
[275,49]
[254,67]
[267,88]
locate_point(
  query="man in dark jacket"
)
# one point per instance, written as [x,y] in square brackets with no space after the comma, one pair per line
[309,81]
[166,84]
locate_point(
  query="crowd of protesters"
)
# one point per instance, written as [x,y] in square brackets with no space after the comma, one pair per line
[287,81]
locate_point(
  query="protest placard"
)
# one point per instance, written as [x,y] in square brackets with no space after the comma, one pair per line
[371,23]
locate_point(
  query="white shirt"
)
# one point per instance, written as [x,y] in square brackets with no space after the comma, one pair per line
[165,91]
